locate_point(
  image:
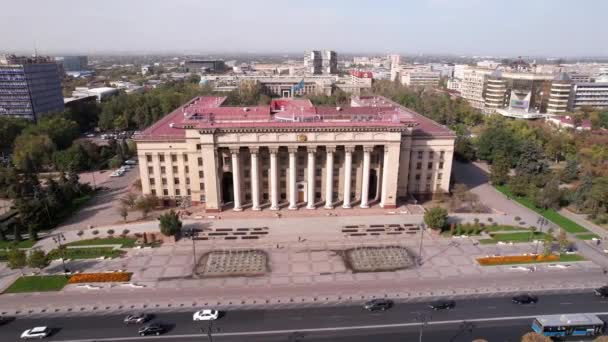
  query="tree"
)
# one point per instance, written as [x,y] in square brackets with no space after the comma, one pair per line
[10,128]
[570,172]
[548,244]
[436,218]
[532,160]
[548,196]
[37,259]
[129,200]
[562,240]
[499,170]
[146,204]
[32,152]
[123,211]
[61,131]
[16,259]
[170,224]
[534,337]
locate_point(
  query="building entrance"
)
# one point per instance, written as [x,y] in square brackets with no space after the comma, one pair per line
[227,188]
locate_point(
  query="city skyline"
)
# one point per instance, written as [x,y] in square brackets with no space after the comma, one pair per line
[466,27]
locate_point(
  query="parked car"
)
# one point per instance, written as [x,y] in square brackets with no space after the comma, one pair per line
[524,299]
[136,318]
[443,305]
[378,304]
[601,291]
[206,315]
[131,162]
[151,329]
[37,332]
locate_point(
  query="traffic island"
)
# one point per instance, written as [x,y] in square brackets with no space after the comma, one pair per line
[378,259]
[240,263]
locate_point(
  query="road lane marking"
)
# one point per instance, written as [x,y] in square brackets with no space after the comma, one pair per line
[565,303]
[313,330]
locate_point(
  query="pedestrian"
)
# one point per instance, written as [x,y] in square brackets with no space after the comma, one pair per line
[299,239]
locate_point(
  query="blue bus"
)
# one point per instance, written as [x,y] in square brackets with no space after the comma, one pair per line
[568,325]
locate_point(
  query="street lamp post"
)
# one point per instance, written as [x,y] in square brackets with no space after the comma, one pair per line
[58,240]
[192,232]
[422,227]
[541,223]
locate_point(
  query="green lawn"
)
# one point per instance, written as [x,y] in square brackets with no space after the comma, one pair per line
[491,229]
[587,236]
[86,253]
[38,284]
[513,237]
[20,244]
[472,230]
[123,242]
[550,214]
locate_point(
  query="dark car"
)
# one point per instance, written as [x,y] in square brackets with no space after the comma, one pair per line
[151,329]
[442,305]
[524,299]
[136,318]
[601,291]
[378,304]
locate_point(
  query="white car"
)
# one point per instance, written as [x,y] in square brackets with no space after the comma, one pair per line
[37,332]
[206,315]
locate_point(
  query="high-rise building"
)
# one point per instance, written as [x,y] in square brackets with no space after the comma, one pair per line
[206,66]
[321,62]
[74,63]
[29,86]
[395,60]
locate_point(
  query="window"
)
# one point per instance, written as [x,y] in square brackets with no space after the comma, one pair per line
[283,173]
[428,187]
[283,184]
[283,196]
[418,166]
[152,181]
[173,158]
[177,193]
[202,198]
[420,154]
[188,181]
[318,184]
[162,170]
[417,176]
[150,170]
[188,192]
[202,186]
[265,173]
[148,158]
[429,165]
[186,158]
[186,168]
[175,169]
[439,175]
[165,192]
[161,157]
[441,154]
[265,196]
[198,147]
[246,172]
[429,177]
[431,154]
[441,165]
[176,181]
[200,161]
[153,192]
[201,174]
[164,181]
[300,173]
[226,160]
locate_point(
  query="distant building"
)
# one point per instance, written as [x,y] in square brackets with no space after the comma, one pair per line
[205,66]
[394,60]
[454,84]
[101,93]
[568,122]
[590,94]
[147,69]
[321,62]
[30,87]
[74,63]
[420,77]
[559,97]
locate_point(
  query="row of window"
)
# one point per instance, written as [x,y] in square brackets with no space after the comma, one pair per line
[429,166]
[429,176]
[431,154]
[161,158]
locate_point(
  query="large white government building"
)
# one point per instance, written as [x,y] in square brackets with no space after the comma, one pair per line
[293,155]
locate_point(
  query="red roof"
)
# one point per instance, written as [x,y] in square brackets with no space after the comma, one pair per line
[207,112]
[362,74]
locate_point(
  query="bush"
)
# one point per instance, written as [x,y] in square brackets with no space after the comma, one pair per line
[80,233]
[95,232]
[517,218]
[170,224]
[110,231]
[125,231]
[436,218]
[490,219]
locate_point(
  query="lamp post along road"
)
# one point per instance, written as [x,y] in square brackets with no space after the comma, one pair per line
[58,239]
[422,227]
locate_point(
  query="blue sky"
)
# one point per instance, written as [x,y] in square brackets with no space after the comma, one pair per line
[471,27]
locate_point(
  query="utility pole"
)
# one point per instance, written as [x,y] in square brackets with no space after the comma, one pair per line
[422,227]
[58,239]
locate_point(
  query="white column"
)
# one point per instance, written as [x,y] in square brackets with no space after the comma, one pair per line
[365,187]
[293,198]
[236,179]
[255,179]
[310,180]
[329,177]
[385,168]
[348,165]
[274,179]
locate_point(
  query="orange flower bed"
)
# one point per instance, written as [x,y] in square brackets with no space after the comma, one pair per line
[516,259]
[100,277]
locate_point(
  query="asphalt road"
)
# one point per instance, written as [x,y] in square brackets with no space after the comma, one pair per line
[496,319]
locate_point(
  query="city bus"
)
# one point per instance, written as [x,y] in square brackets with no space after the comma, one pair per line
[568,325]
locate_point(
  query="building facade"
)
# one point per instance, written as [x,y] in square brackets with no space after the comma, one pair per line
[295,155]
[321,62]
[30,87]
[74,63]
[204,66]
